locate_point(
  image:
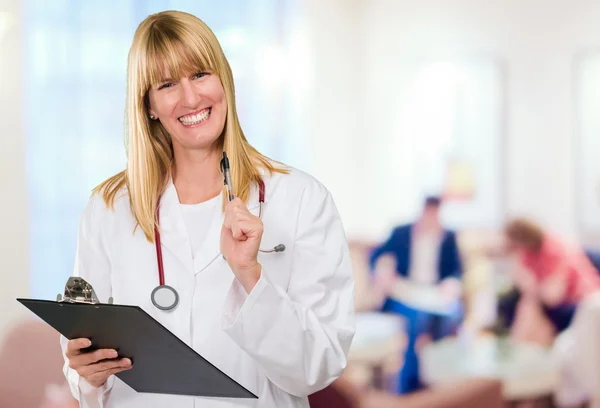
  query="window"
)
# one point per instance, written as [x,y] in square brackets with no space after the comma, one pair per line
[587,102]
[450,140]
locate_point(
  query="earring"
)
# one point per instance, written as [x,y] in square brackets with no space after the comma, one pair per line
[152,117]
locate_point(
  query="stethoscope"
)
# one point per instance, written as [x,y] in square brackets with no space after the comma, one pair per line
[165,297]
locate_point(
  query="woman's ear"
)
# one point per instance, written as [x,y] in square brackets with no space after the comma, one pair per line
[151,114]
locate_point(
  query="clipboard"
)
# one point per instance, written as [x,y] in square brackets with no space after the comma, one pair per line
[162,363]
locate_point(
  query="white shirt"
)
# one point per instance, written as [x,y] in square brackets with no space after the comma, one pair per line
[424,258]
[197,219]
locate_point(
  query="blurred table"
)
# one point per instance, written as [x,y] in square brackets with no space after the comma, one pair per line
[527,371]
[377,348]
[427,312]
[426,298]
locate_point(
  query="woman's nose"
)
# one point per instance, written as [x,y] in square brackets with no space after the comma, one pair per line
[189,95]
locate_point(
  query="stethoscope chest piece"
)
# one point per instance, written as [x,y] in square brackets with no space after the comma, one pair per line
[164,297]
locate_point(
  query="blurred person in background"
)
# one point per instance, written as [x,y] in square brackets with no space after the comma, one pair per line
[551,277]
[423,253]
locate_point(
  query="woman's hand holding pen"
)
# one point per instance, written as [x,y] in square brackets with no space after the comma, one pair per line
[240,241]
[95,366]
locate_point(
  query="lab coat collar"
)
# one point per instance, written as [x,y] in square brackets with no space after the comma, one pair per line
[174,235]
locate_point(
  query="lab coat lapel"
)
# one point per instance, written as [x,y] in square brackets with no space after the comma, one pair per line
[173,233]
[210,250]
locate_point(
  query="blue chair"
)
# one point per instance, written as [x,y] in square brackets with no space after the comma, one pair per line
[594,256]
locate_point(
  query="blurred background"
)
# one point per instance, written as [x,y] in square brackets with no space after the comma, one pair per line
[489,108]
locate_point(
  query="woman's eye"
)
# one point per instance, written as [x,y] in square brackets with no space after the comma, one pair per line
[165,85]
[200,75]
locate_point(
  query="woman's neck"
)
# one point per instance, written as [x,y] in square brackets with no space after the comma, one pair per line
[196,175]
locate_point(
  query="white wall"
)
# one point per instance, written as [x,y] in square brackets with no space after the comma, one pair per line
[14,274]
[336,97]
[537,41]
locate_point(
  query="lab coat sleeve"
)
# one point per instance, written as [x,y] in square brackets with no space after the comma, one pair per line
[300,335]
[92,264]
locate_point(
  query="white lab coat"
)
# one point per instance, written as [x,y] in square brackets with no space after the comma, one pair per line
[286,339]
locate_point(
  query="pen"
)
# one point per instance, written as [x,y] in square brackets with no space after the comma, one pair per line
[227,175]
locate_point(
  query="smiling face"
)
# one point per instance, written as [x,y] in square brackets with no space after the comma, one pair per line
[178,69]
[192,109]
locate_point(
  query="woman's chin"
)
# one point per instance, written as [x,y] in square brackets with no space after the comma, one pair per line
[200,141]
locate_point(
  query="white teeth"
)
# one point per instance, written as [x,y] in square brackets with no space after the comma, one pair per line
[195,119]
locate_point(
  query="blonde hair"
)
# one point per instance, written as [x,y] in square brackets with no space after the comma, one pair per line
[183,44]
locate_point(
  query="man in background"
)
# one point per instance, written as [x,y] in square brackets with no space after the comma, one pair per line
[425,251]
[425,254]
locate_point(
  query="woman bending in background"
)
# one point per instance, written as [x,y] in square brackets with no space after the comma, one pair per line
[551,277]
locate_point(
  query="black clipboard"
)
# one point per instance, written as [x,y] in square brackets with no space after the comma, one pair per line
[162,363]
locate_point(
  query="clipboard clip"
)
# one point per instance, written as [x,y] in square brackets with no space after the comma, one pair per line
[78,290]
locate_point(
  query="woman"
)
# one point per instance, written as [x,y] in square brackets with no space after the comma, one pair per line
[551,276]
[278,323]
